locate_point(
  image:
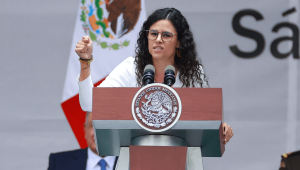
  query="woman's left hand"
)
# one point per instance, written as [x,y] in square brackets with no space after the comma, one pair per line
[227,132]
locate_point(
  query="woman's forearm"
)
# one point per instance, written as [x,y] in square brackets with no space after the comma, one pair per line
[85,71]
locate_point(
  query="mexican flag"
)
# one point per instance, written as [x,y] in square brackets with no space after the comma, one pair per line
[113,27]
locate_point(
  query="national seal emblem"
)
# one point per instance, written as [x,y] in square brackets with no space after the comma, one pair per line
[105,21]
[156,107]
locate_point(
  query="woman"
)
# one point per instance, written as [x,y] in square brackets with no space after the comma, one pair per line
[165,39]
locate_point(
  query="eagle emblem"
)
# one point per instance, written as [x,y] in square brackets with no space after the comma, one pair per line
[156,107]
[108,20]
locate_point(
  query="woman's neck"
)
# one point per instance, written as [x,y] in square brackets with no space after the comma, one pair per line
[160,66]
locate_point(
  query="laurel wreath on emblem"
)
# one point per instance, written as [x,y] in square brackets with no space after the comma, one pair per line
[96,24]
[160,103]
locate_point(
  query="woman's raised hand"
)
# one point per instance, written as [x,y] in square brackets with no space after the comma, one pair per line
[84,48]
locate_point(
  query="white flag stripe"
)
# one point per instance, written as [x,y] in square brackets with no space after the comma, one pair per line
[105,60]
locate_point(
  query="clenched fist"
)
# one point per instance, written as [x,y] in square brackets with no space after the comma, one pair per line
[84,48]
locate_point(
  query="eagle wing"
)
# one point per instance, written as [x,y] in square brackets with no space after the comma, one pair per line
[129,21]
[131,15]
[131,12]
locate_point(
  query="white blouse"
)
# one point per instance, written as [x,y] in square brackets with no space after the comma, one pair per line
[122,76]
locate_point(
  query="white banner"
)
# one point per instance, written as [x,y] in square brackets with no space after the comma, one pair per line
[250,48]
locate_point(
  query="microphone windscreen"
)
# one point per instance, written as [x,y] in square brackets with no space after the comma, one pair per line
[170,67]
[149,67]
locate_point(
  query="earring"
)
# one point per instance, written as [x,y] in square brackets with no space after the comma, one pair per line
[178,52]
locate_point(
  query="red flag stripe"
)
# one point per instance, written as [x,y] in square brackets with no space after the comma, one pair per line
[76,116]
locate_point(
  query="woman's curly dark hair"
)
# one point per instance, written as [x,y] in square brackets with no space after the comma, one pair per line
[188,64]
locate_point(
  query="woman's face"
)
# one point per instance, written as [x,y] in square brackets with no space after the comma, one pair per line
[160,49]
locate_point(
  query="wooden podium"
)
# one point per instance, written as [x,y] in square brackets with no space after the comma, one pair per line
[197,133]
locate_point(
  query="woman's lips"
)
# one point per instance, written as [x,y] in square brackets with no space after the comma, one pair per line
[157,49]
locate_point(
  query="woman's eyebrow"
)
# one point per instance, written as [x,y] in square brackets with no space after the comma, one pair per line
[162,31]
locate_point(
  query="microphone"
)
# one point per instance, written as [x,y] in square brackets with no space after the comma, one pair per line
[169,75]
[148,76]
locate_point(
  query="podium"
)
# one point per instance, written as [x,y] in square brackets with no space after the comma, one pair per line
[198,132]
